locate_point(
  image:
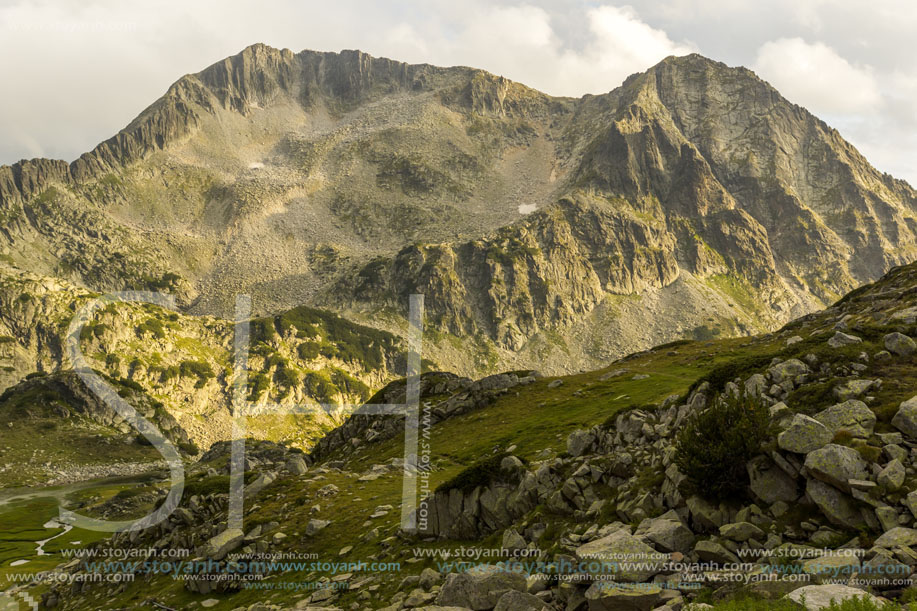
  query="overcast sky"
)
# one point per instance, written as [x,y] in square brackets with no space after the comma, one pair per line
[74,73]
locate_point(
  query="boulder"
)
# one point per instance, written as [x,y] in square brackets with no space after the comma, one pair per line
[821,597]
[887,517]
[905,420]
[769,483]
[712,551]
[852,415]
[852,389]
[787,370]
[705,516]
[741,531]
[315,525]
[842,339]
[897,537]
[910,501]
[900,344]
[579,442]
[612,596]
[839,508]
[834,566]
[480,588]
[892,476]
[224,543]
[429,578]
[803,435]
[629,558]
[512,540]
[835,464]
[755,385]
[297,466]
[883,567]
[520,601]
[667,533]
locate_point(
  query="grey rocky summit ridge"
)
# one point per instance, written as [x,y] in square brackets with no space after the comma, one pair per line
[548,232]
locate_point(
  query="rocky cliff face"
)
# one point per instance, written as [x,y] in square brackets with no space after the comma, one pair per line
[543,231]
[301,357]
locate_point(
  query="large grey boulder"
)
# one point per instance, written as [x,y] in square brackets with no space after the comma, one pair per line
[769,483]
[667,533]
[833,566]
[480,588]
[839,508]
[843,339]
[853,416]
[905,420]
[900,344]
[315,525]
[787,370]
[612,596]
[803,435]
[579,442]
[755,385]
[821,597]
[852,389]
[224,543]
[897,537]
[892,476]
[705,516]
[835,464]
[709,550]
[297,465]
[630,558]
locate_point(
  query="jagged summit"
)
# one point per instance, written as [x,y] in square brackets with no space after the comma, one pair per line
[547,228]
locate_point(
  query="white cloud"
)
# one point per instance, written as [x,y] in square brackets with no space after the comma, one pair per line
[80,71]
[520,43]
[815,76]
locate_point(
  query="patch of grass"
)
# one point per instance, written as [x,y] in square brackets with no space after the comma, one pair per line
[813,397]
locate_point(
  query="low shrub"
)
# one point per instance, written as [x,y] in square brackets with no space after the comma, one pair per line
[152,326]
[716,443]
[480,473]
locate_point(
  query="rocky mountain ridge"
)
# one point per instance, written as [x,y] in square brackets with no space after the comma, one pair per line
[543,230]
[301,357]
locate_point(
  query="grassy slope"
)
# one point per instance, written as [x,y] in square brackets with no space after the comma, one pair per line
[537,419]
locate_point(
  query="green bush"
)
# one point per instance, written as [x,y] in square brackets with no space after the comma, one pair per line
[152,326]
[721,375]
[131,384]
[201,369]
[308,351]
[715,445]
[257,385]
[189,447]
[869,453]
[481,473]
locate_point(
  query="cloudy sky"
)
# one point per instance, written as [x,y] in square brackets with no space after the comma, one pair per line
[74,73]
